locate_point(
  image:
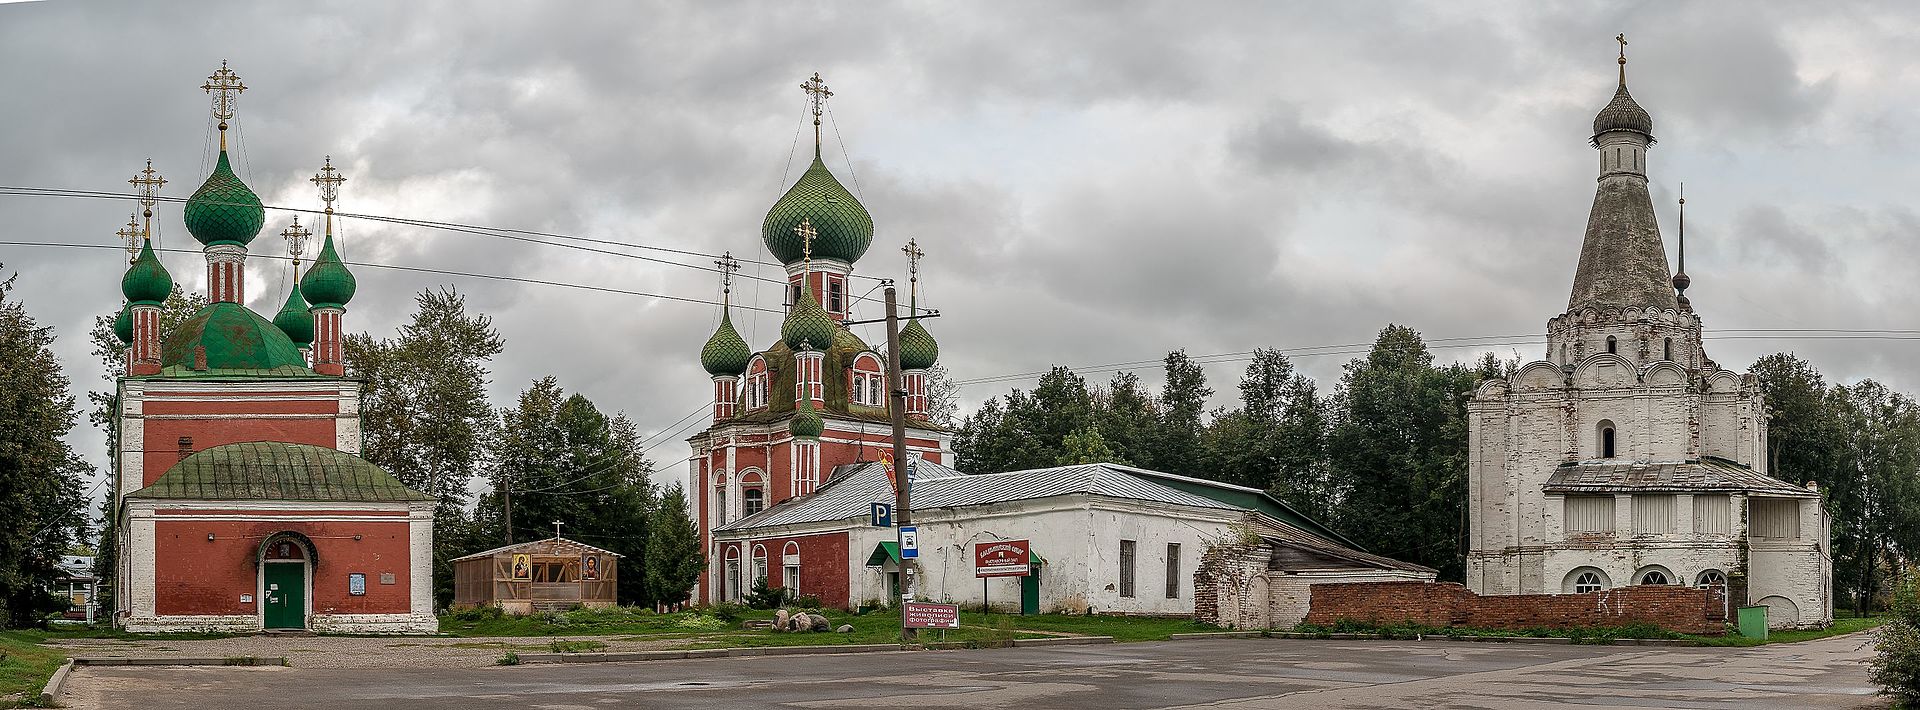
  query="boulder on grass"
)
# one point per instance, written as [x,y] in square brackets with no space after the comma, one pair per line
[820,622]
[780,620]
[845,629]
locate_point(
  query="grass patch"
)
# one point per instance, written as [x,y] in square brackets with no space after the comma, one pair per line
[1841,626]
[25,666]
[1121,628]
[80,631]
[576,646]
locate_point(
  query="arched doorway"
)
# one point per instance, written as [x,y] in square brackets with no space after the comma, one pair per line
[286,581]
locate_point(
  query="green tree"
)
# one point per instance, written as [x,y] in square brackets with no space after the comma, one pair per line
[1397,453]
[673,560]
[1126,415]
[1086,446]
[1276,440]
[1183,402]
[42,509]
[1022,430]
[424,415]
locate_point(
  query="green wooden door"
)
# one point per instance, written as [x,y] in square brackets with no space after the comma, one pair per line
[1030,591]
[286,595]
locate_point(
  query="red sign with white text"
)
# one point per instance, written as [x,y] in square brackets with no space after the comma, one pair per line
[1003,558]
[921,615]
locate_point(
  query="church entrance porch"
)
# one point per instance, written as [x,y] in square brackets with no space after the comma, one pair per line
[284,583]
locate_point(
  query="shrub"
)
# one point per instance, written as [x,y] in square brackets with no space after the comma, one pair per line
[728,612]
[805,601]
[511,659]
[762,596]
[475,614]
[1896,659]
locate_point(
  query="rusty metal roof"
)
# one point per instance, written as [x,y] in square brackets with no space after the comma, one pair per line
[1706,474]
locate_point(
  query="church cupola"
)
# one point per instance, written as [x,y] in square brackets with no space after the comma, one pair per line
[294,318]
[726,355]
[224,215]
[808,330]
[918,350]
[146,285]
[328,284]
[842,228]
[1622,261]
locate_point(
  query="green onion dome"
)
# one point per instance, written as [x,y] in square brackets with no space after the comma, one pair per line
[918,351]
[726,352]
[294,319]
[328,283]
[123,325]
[147,280]
[845,229]
[808,323]
[233,338]
[845,341]
[806,423]
[224,210]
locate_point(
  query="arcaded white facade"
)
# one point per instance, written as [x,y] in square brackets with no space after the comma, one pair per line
[1627,456]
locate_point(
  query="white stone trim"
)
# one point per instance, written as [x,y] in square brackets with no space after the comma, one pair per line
[200,504]
[420,554]
[414,623]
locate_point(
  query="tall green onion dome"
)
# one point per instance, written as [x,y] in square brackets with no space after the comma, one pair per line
[808,323]
[918,351]
[123,325]
[845,229]
[294,319]
[224,210]
[726,352]
[806,423]
[147,280]
[328,283]
[233,338]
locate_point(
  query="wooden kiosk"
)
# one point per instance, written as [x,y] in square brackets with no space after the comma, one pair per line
[554,574]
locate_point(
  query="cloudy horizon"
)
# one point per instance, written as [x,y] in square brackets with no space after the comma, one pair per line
[1092,182]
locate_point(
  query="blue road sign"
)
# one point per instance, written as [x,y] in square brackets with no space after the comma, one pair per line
[909,542]
[882,514]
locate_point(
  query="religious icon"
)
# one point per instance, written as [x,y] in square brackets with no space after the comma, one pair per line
[589,567]
[523,566]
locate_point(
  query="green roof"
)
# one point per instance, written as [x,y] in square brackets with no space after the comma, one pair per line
[233,338]
[275,470]
[806,423]
[918,351]
[808,323]
[224,210]
[328,283]
[726,353]
[123,324]
[146,280]
[886,550]
[294,319]
[845,230]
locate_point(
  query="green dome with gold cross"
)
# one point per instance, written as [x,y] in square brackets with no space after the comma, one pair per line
[843,227]
[224,210]
[726,353]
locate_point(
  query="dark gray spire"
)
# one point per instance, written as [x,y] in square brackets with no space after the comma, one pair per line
[1622,260]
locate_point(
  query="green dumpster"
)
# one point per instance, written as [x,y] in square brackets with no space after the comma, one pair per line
[1753,622]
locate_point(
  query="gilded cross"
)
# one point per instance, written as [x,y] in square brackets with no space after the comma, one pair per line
[225,87]
[147,183]
[131,235]
[328,179]
[296,237]
[807,235]
[817,94]
[1622,39]
[913,252]
[727,265]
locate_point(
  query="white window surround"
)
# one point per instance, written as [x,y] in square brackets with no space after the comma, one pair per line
[1586,579]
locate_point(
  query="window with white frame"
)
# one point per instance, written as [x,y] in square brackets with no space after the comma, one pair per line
[1711,579]
[1655,575]
[756,394]
[1586,579]
[752,501]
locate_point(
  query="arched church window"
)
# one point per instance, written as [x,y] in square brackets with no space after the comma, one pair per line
[1588,580]
[1711,579]
[1669,350]
[753,500]
[1605,433]
[1654,576]
[1613,345]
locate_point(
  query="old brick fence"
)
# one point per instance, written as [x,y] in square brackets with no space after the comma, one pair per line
[1676,608]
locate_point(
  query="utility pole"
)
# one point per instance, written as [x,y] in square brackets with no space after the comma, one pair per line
[506,499]
[897,411]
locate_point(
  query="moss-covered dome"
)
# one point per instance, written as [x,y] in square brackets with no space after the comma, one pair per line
[123,325]
[224,210]
[845,230]
[726,353]
[294,319]
[146,280]
[233,338]
[328,283]
[806,423]
[918,351]
[808,323]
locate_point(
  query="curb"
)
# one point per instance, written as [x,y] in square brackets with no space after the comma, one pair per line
[1555,640]
[748,651]
[56,684]
[181,661]
[1201,636]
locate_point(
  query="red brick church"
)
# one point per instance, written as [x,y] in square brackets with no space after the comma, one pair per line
[784,417]
[240,503]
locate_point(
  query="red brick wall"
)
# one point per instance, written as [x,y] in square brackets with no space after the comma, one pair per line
[1682,609]
[194,575]
[823,566]
[162,436]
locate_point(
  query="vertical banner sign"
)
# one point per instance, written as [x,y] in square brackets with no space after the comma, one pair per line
[1005,558]
[909,542]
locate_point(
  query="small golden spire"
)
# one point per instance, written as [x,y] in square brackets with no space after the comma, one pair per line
[817,95]
[1622,39]
[296,237]
[913,252]
[225,87]
[727,265]
[328,179]
[147,183]
[807,234]
[131,235]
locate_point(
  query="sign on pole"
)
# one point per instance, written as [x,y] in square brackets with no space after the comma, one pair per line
[921,615]
[1004,558]
[909,542]
[882,514]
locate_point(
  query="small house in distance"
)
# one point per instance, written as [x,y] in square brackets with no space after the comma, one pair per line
[544,575]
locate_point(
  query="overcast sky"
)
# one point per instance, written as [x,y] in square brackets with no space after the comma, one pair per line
[1092,182]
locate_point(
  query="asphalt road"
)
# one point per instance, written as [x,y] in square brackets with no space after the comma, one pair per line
[1232,673]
